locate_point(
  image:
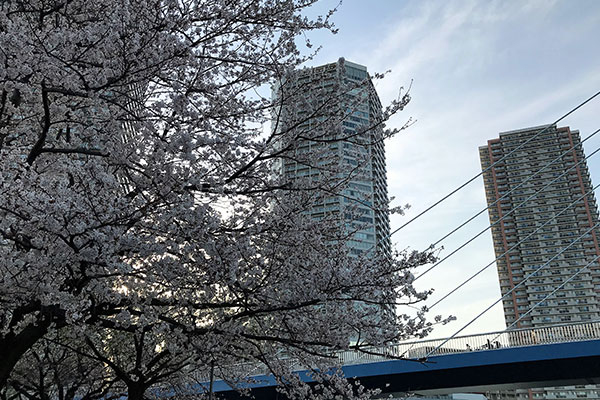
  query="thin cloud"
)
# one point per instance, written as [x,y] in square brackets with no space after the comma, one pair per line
[479,68]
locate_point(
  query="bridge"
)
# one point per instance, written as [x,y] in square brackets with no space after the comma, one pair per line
[558,355]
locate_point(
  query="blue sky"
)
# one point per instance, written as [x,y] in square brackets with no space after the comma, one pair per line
[477,68]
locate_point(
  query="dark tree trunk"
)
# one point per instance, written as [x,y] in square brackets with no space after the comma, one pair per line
[12,347]
[135,391]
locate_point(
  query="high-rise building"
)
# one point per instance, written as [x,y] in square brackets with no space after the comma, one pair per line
[335,115]
[544,217]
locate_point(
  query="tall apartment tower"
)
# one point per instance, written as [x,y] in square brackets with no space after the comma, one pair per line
[530,230]
[335,111]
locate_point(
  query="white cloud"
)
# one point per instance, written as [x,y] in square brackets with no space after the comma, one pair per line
[479,68]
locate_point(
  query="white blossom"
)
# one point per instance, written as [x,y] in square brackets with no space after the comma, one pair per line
[126,127]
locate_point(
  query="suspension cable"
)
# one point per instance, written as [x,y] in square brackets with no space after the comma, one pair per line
[504,216]
[550,295]
[515,188]
[514,288]
[569,206]
[493,164]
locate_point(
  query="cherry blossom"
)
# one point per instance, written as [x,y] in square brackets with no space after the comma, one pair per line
[139,208]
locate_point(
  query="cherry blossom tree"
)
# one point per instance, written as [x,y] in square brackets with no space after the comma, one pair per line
[59,367]
[138,194]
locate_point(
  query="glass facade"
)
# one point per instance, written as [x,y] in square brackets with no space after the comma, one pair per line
[337,113]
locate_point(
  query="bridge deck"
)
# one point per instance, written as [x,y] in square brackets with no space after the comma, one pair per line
[552,356]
